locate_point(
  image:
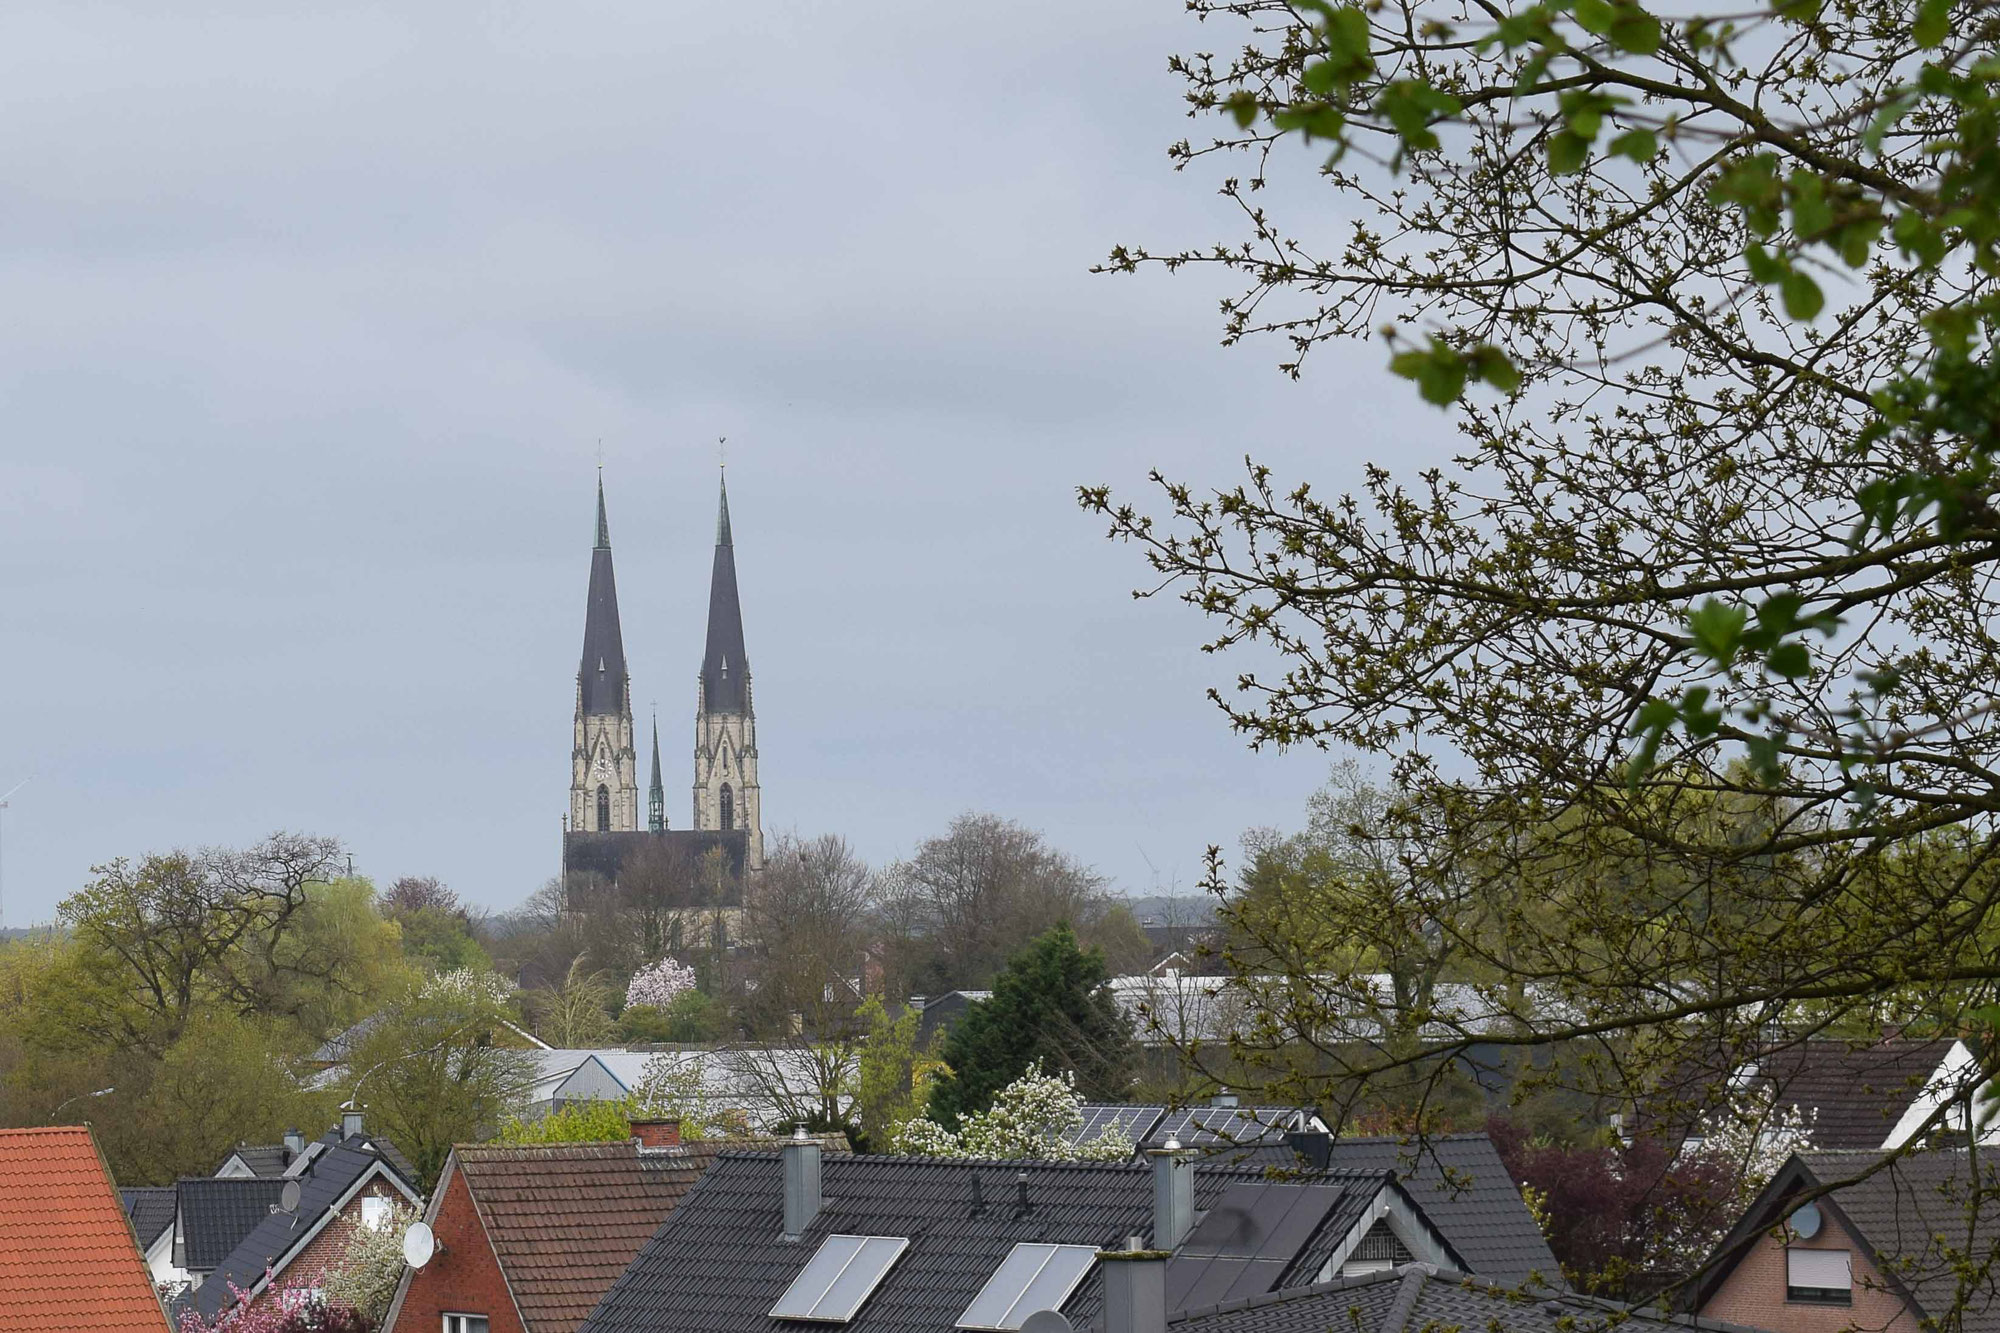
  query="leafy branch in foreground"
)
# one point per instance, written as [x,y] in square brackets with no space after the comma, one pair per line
[1684,666]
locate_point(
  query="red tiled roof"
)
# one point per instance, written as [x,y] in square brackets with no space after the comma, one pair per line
[565,1220]
[67,1258]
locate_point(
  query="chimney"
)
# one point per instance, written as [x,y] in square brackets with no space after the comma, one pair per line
[1135,1289]
[295,1146]
[658,1132]
[1173,1195]
[1223,1097]
[802,1196]
[350,1121]
[1314,1147]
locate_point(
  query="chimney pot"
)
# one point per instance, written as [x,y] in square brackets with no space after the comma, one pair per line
[802,1184]
[657,1132]
[350,1121]
[1223,1097]
[295,1144]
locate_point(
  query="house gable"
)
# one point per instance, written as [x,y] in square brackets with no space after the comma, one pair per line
[1754,1291]
[463,1278]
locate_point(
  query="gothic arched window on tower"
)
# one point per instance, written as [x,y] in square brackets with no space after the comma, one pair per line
[728,807]
[603,808]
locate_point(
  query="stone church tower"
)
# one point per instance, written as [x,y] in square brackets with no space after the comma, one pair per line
[604,766]
[726,795]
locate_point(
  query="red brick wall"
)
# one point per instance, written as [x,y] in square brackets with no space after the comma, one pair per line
[465,1279]
[326,1250]
[1754,1293]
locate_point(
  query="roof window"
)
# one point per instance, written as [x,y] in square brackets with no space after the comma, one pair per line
[1032,1277]
[839,1278]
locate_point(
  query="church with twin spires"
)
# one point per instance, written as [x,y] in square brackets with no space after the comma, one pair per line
[606,827]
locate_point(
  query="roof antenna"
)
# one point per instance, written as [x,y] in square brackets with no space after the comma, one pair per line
[1021,1191]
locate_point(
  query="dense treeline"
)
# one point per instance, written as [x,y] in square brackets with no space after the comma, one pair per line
[185,1003]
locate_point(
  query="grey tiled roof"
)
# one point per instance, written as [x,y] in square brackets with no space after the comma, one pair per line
[151,1208]
[216,1214]
[270,1243]
[263,1159]
[1457,1179]
[1417,1298]
[1464,1189]
[719,1263]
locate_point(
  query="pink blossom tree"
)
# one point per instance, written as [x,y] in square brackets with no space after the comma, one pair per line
[658,984]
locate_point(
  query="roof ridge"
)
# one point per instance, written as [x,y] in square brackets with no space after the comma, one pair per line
[1284,1294]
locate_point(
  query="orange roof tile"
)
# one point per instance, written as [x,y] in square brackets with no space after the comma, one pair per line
[67,1258]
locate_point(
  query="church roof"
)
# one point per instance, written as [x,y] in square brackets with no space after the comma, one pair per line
[725,671]
[605,855]
[601,674]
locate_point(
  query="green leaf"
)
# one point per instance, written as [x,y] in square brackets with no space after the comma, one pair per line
[1491,364]
[1763,752]
[1812,216]
[1439,371]
[1933,23]
[1595,16]
[1567,152]
[1717,629]
[1635,30]
[1639,145]
[1803,298]
[1765,267]
[1243,106]
[1347,47]
[1790,660]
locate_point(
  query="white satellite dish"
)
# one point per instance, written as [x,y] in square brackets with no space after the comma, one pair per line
[1047,1321]
[419,1245]
[1806,1222]
[288,1197]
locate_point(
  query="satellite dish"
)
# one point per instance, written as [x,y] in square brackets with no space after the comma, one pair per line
[288,1197]
[419,1245]
[1046,1321]
[1806,1222]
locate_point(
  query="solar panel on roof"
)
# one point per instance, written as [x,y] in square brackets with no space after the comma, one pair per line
[1247,1240]
[1134,1122]
[839,1278]
[1032,1277]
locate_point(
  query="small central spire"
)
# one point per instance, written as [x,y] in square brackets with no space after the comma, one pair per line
[656,797]
[722,516]
[603,524]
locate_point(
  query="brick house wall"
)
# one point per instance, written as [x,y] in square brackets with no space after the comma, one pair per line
[325,1251]
[464,1279]
[1754,1291]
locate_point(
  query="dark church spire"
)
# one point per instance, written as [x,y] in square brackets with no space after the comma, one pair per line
[600,676]
[656,798]
[725,673]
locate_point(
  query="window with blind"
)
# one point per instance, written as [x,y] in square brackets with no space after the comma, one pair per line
[1819,1277]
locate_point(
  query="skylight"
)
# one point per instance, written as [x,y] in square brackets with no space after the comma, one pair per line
[1031,1278]
[839,1277]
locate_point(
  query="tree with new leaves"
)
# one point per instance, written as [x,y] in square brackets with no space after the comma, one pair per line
[1699,618]
[1049,1007]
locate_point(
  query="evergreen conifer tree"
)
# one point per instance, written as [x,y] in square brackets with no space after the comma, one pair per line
[1050,1004]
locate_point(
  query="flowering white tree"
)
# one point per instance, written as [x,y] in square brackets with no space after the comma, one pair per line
[469,985]
[366,1277]
[658,984]
[1033,1117]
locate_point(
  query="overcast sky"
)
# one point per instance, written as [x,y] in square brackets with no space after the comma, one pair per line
[316,315]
